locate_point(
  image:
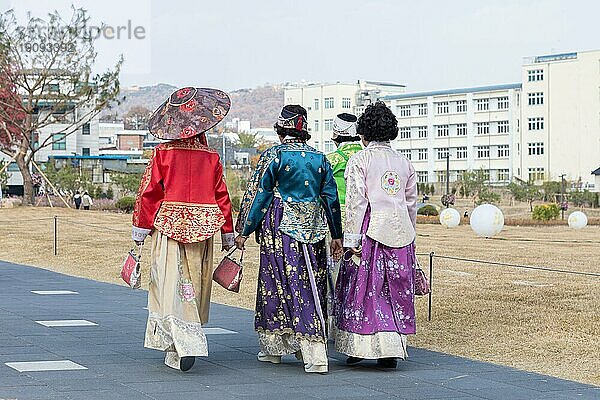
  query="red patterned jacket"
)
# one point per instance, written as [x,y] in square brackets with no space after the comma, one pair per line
[183,194]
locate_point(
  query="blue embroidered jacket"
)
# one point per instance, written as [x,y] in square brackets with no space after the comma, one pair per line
[302,177]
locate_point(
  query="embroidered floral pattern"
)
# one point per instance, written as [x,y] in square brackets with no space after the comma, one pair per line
[169,332]
[390,183]
[189,223]
[189,106]
[181,93]
[304,222]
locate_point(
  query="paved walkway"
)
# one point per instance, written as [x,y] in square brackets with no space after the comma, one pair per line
[63,337]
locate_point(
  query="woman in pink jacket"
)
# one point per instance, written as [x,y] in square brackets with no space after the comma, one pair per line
[375,296]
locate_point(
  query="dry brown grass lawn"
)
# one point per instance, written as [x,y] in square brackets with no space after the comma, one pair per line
[533,320]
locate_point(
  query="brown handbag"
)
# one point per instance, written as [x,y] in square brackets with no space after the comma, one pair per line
[229,272]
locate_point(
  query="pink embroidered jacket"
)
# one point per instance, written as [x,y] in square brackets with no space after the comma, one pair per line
[380,178]
[183,194]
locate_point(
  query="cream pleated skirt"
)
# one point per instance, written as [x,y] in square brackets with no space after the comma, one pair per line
[179,297]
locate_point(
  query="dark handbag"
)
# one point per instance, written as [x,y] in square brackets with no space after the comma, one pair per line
[229,272]
[421,283]
[131,269]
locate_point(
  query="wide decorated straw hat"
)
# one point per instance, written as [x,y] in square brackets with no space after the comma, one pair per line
[189,112]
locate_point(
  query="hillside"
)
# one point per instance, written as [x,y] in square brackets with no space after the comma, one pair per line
[260,105]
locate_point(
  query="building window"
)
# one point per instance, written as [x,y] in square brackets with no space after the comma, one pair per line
[441,176]
[486,174]
[328,146]
[461,153]
[442,153]
[535,98]
[422,132]
[503,151]
[442,130]
[503,127]
[316,104]
[422,154]
[328,125]
[442,107]
[503,103]
[346,102]
[316,125]
[405,153]
[85,129]
[422,177]
[483,104]
[422,108]
[328,102]
[536,174]
[535,149]
[503,175]
[59,141]
[461,129]
[483,128]
[404,132]
[483,151]
[535,75]
[461,106]
[316,145]
[404,111]
[85,151]
[536,124]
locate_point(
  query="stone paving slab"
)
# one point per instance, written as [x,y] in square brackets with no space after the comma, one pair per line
[118,367]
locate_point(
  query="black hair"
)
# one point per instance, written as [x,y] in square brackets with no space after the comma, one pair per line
[342,139]
[283,132]
[378,123]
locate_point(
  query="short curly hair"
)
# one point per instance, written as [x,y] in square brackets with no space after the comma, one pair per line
[378,123]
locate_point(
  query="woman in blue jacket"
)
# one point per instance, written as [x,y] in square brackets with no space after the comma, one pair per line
[291,203]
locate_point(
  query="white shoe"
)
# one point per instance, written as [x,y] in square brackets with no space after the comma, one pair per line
[315,369]
[267,358]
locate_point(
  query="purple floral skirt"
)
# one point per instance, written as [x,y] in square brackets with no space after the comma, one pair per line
[285,300]
[378,294]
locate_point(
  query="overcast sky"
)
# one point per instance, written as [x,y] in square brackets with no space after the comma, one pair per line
[422,44]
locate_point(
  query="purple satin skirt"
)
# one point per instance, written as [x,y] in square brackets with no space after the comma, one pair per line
[377,295]
[285,301]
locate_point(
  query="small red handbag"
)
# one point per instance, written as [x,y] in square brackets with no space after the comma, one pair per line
[229,272]
[131,269]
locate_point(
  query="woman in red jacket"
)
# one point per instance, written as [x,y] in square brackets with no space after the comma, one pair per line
[182,202]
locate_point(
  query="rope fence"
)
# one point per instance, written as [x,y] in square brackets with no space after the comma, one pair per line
[431,256]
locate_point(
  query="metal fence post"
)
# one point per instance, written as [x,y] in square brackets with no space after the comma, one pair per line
[55,235]
[430,284]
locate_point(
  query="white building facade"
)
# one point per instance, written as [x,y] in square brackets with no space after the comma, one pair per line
[475,127]
[324,101]
[546,127]
[561,117]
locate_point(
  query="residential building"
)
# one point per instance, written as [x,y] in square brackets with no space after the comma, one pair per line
[323,101]
[561,117]
[537,130]
[476,127]
[107,134]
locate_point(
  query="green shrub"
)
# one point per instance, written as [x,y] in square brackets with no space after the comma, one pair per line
[546,212]
[126,204]
[428,210]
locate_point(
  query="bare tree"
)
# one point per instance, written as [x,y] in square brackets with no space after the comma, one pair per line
[47,81]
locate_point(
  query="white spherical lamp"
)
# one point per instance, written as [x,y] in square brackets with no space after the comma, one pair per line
[450,218]
[577,220]
[487,220]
